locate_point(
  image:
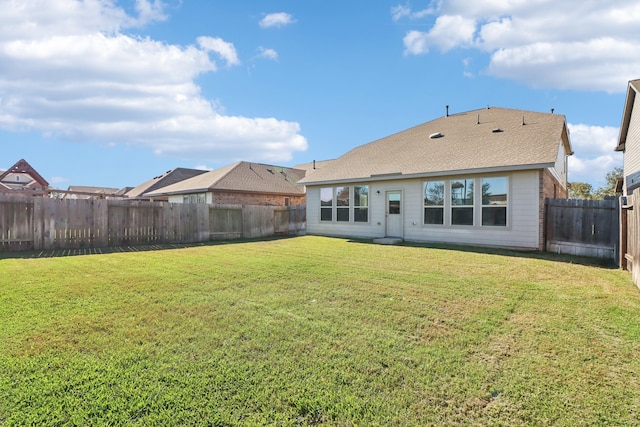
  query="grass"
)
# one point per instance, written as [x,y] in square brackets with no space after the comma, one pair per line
[317,331]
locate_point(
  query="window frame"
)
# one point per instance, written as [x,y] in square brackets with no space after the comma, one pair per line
[440,207]
[503,206]
[324,207]
[341,208]
[344,212]
[360,207]
[463,207]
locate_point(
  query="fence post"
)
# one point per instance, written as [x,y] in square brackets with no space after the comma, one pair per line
[623,236]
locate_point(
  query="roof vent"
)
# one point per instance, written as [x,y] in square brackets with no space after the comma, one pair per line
[436,135]
[497,130]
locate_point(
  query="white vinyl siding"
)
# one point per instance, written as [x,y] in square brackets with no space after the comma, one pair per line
[632,145]
[522,222]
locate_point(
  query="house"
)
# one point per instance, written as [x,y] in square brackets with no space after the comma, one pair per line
[242,183]
[88,192]
[23,179]
[629,139]
[169,177]
[479,178]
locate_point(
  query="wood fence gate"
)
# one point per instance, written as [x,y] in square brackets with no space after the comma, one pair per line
[630,235]
[583,227]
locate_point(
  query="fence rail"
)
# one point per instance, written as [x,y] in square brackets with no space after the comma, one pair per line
[582,227]
[42,223]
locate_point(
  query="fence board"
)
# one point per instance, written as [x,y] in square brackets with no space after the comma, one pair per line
[630,251]
[16,225]
[225,223]
[582,227]
[61,224]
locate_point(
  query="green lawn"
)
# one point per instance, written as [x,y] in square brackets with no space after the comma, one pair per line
[317,331]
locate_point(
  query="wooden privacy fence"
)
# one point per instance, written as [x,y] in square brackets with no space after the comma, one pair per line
[42,223]
[582,227]
[630,235]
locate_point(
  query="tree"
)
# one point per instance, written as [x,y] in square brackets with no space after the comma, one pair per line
[610,187]
[580,190]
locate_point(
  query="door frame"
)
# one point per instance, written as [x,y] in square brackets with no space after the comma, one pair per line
[400,215]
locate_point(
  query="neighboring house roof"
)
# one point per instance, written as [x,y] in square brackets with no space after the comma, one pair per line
[22,168]
[314,165]
[492,139]
[86,192]
[632,89]
[240,176]
[167,178]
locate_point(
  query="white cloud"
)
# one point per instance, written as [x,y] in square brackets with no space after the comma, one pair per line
[277,20]
[267,53]
[447,33]
[559,44]
[225,49]
[404,11]
[594,153]
[67,71]
[150,11]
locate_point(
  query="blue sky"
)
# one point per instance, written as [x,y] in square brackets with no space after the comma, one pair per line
[112,93]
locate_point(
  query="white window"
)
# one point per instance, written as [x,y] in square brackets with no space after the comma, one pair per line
[434,202]
[337,203]
[361,203]
[462,202]
[342,203]
[326,204]
[494,201]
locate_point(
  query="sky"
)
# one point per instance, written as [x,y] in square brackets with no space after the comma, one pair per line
[112,93]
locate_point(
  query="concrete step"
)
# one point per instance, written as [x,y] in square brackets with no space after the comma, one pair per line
[387,240]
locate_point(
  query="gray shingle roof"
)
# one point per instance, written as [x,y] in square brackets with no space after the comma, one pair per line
[170,177]
[486,139]
[241,176]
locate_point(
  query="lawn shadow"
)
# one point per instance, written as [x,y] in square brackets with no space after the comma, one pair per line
[520,253]
[55,253]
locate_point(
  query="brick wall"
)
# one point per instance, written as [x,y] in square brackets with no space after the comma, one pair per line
[550,188]
[237,198]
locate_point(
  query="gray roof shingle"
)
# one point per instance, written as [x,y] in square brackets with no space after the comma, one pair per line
[170,177]
[240,176]
[485,139]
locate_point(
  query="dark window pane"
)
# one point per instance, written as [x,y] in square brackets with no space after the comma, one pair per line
[462,216]
[433,215]
[342,214]
[494,216]
[325,214]
[361,215]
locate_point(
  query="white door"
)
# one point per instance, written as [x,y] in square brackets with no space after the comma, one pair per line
[394,214]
